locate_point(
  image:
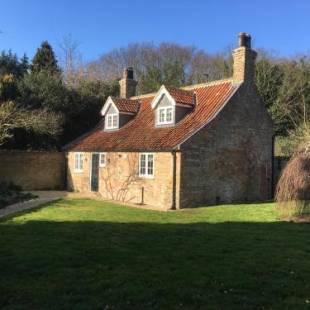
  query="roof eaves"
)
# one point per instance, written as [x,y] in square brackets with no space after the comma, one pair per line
[68,146]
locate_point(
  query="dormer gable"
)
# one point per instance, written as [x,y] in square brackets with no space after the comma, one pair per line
[118,111]
[171,105]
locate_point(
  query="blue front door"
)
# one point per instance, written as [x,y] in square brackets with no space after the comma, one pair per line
[94,182]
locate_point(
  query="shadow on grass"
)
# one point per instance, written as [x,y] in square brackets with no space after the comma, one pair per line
[26,211]
[89,265]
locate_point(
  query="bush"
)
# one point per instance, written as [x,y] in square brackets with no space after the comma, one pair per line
[293,189]
[11,193]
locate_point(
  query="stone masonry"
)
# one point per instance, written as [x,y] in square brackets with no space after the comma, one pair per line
[119,179]
[230,160]
[33,170]
[128,84]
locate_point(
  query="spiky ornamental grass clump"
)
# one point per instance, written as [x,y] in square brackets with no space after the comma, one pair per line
[293,189]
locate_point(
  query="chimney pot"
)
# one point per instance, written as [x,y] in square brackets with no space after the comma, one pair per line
[128,73]
[244,40]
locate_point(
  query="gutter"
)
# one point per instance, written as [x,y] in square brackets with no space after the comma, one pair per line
[174,179]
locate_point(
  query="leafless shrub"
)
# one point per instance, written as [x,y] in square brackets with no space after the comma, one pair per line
[118,188]
[293,189]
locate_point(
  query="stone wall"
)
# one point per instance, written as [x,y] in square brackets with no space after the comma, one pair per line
[33,170]
[119,179]
[230,160]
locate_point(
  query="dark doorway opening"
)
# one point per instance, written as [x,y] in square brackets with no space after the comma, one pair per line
[94,180]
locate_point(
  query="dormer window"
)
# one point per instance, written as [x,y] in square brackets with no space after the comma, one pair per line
[165,115]
[119,111]
[112,121]
[171,105]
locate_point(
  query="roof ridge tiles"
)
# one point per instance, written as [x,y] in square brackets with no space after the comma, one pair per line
[206,84]
[187,88]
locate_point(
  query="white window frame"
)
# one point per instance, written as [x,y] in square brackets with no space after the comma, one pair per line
[165,113]
[78,162]
[146,174]
[100,159]
[112,117]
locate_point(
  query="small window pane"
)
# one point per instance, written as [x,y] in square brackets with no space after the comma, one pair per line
[161,115]
[114,121]
[81,161]
[142,164]
[78,161]
[109,121]
[150,165]
[102,159]
[142,170]
[169,115]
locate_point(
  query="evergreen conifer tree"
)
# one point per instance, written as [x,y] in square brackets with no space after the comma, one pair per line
[45,60]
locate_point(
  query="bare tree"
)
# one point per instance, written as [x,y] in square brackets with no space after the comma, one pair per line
[167,63]
[71,60]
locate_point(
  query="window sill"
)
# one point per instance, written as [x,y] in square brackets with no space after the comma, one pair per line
[110,129]
[161,125]
[78,170]
[150,177]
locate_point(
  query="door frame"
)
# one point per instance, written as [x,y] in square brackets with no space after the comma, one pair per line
[91,170]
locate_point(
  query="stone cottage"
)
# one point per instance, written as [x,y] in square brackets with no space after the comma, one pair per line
[180,147]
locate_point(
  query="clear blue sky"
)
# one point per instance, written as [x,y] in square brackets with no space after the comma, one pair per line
[100,25]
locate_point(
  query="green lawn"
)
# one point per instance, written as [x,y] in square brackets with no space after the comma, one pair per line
[83,254]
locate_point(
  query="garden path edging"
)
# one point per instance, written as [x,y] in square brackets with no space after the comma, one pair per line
[43,197]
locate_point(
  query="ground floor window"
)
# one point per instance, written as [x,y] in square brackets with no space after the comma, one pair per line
[146,165]
[102,159]
[78,162]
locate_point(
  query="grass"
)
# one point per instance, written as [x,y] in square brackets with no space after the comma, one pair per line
[83,254]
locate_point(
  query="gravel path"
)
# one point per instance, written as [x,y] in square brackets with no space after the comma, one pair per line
[43,197]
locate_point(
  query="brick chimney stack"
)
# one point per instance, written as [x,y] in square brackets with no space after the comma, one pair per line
[244,60]
[127,84]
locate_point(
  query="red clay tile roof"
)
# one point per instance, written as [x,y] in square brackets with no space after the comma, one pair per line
[181,96]
[140,134]
[126,105]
